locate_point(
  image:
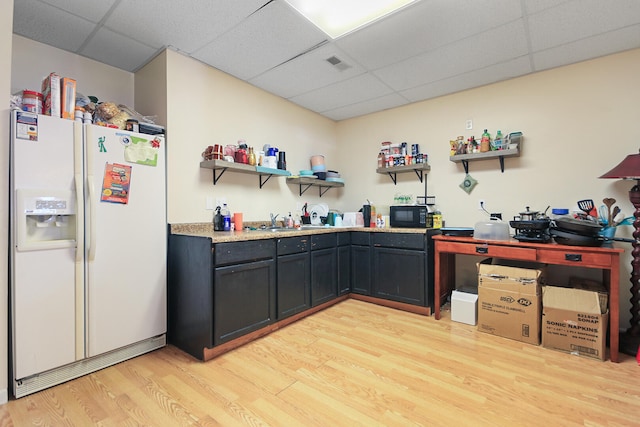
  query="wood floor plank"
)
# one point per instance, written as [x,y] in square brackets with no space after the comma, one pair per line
[353,364]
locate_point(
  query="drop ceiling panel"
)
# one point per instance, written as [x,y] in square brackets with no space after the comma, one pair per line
[535,6]
[425,26]
[480,77]
[91,10]
[307,72]
[47,24]
[264,40]
[491,47]
[581,50]
[112,48]
[344,93]
[366,107]
[186,25]
[580,19]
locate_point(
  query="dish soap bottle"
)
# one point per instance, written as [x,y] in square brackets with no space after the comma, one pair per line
[289,221]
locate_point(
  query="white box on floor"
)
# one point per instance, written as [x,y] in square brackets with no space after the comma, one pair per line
[464,307]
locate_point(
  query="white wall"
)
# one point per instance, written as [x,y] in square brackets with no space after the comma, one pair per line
[6,22]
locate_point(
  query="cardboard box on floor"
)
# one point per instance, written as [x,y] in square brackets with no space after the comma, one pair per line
[574,321]
[509,300]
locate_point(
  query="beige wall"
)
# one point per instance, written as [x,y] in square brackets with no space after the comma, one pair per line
[6,22]
[32,61]
[578,122]
[205,107]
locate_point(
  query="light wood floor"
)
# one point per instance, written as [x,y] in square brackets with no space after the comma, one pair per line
[354,364]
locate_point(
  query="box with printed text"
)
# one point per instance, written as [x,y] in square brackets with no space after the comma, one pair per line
[574,321]
[509,301]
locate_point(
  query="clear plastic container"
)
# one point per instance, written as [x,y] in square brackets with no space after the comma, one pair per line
[491,230]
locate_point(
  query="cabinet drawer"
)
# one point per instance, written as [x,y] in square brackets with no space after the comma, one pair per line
[239,252]
[344,239]
[360,238]
[323,241]
[293,245]
[579,257]
[399,240]
[510,252]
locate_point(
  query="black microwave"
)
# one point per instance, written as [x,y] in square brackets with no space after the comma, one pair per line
[410,216]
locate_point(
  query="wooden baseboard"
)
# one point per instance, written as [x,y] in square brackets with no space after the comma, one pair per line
[210,353]
[425,311]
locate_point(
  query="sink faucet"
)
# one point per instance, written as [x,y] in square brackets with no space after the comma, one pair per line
[273,219]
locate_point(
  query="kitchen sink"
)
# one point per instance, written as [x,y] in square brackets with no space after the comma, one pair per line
[312,227]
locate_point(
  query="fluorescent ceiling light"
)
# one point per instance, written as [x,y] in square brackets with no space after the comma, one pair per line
[338,17]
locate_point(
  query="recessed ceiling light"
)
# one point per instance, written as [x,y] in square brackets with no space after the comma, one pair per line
[338,17]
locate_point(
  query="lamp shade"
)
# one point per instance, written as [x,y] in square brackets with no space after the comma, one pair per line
[629,168]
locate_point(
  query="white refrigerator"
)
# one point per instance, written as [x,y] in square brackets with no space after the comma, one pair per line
[88,247]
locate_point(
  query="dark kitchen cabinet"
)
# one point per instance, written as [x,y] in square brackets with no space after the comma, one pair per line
[217,292]
[244,298]
[360,263]
[344,263]
[324,268]
[403,268]
[190,293]
[293,276]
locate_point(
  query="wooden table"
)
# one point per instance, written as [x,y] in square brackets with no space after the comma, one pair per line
[606,259]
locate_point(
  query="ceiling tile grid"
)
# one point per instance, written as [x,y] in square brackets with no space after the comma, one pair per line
[260,42]
[427,49]
[42,22]
[308,72]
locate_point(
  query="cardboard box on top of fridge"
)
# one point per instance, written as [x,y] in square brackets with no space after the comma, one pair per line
[51,95]
[464,306]
[510,299]
[574,321]
[68,98]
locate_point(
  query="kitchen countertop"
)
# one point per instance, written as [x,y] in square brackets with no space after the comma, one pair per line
[205,229]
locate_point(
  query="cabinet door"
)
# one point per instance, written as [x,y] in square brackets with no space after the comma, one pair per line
[324,277]
[344,270]
[294,284]
[399,275]
[361,269]
[244,299]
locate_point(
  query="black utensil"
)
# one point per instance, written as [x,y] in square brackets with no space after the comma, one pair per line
[587,206]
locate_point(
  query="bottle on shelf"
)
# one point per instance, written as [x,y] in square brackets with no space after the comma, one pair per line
[485,142]
[252,157]
[497,142]
[226,218]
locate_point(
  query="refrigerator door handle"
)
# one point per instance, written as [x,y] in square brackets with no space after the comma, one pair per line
[92,199]
[80,244]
